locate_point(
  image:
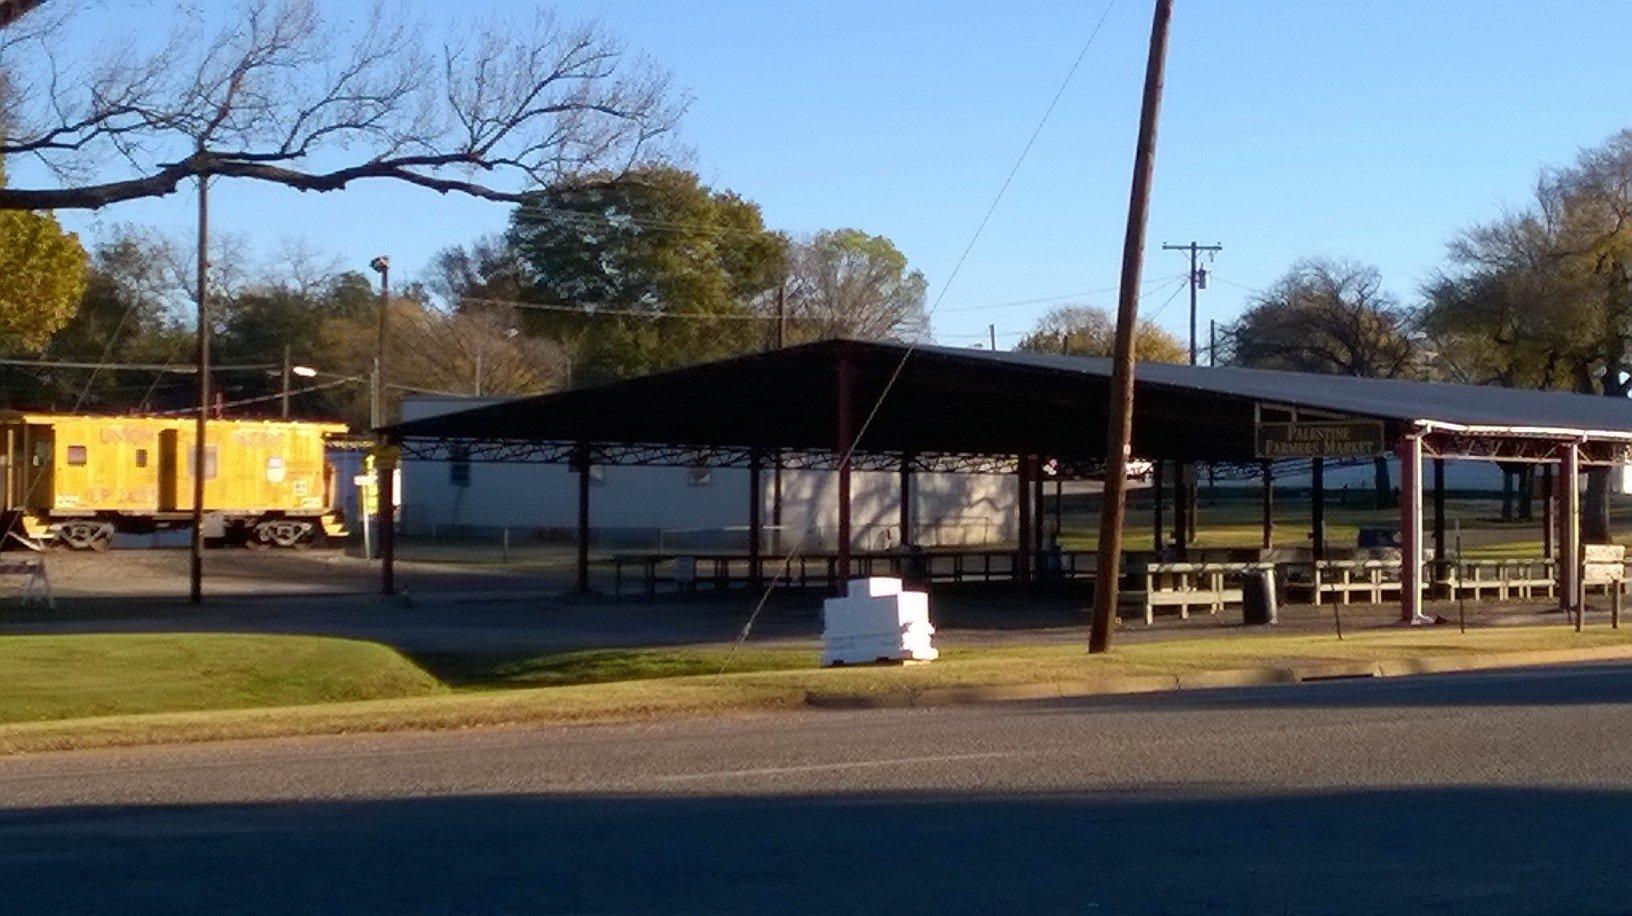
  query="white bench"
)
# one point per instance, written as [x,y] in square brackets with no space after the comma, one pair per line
[1186,586]
[1604,565]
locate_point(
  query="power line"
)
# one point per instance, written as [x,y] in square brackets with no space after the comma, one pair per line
[1166,302]
[1250,289]
[912,346]
[177,368]
[1045,299]
[260,398]
[592,311]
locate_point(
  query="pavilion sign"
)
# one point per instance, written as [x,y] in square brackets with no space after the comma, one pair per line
[1321,439]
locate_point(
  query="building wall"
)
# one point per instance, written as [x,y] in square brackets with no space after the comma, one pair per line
[694,508]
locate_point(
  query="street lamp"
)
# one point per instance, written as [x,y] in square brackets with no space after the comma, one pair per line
[381,266]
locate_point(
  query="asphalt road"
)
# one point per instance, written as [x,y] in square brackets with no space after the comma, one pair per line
[1509,791]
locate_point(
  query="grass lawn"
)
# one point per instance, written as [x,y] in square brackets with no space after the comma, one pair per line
[62,677]
[359,687]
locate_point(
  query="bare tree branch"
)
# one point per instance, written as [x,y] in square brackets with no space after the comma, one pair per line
[274,93]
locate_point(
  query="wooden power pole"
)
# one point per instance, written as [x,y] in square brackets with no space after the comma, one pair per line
[195,592]
[1119,433]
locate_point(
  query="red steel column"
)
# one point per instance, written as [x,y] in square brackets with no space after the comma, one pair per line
[1548,497]
[1569,532]
[1410,452]
[845,443]
[1269,505]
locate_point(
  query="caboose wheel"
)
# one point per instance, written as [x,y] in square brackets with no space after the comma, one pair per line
[290,534]
[87,535]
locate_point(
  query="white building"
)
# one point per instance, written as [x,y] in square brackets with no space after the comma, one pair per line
[695,508]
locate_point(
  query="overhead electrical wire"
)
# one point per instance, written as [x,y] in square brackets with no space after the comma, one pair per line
[912,346]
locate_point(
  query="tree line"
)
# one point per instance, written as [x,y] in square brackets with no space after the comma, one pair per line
[1538,297]
[615,261]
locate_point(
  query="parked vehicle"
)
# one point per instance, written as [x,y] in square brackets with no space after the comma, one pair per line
[76,480]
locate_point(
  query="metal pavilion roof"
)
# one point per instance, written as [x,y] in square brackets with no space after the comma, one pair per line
[951,401]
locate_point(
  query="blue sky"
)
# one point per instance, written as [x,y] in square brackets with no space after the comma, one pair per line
[1370,130]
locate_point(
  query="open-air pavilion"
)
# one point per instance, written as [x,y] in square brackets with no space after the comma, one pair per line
[849,405]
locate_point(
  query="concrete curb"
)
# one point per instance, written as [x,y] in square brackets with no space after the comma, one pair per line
[1208,680]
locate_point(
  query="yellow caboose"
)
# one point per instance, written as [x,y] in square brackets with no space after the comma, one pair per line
[75,480]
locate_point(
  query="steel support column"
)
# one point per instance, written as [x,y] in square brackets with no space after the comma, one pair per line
[1317,505]
[1156,495]
[1548,498]
[845,444]
[385,467]
[1410,452]
[1181,512]
[1023,507]
[1569,533]
[581,465]
[1269,505]
[1039,513]
[906,501]
[756,519]
[1439,510]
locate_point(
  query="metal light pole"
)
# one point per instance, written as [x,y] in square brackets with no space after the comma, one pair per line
[1119,433]
[196,573]
[385,464]
[376,413]
[283,395]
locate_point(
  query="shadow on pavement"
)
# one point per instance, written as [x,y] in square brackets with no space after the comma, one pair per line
[1373,851]
[1577,685]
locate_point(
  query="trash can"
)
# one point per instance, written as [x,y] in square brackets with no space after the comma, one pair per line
[1258,597]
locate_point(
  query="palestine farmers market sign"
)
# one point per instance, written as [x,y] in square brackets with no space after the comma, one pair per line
[1321,439]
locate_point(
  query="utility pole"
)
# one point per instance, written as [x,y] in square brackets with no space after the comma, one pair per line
[992,330]
[1184,534]
[1119,432]
[1198,280]
[283,394]
[200,467]
[1212,342]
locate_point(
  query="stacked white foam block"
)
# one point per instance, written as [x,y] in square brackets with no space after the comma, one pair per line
[876,621]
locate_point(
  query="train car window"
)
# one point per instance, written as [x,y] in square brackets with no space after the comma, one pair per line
[141,457]
[76,456]
[209,462]
[699,477]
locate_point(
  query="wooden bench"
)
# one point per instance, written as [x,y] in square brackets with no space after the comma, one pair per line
[1187,586]
[1342,580]
[1501,579]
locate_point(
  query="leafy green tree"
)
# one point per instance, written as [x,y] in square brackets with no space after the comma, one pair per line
[847,283]
[44,269]
[644,270]
[1542,297]
[1086,330]
[1330,316]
